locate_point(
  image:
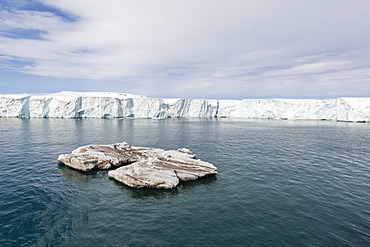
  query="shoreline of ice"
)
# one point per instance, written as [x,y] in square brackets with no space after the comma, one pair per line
[122,105]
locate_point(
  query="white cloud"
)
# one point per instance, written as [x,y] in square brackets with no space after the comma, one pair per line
[211,47]
[26,19]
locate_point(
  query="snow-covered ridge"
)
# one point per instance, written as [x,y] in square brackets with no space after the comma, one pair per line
[118,105]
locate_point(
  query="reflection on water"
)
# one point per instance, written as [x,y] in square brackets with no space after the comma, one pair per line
[146,193]
[77,175]
[86,177]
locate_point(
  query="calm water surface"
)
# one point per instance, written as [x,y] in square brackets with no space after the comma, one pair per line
[280,183]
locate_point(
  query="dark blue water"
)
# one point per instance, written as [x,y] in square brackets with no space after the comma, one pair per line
[280,183]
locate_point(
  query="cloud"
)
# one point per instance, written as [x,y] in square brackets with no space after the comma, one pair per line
[209,48]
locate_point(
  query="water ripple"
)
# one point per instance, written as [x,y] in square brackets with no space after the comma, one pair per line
[280,183]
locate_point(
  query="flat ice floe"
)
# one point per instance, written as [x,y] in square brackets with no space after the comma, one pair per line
[140,167]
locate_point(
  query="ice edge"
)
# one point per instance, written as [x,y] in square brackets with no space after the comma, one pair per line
[122,105]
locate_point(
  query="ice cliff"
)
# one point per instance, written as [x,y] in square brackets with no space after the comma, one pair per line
[118,105]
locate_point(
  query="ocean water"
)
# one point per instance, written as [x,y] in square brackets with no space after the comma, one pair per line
[279,183]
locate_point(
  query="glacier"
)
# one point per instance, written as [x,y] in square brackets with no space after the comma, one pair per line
[122,105]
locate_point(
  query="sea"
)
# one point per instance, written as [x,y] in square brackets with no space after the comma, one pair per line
[279,183]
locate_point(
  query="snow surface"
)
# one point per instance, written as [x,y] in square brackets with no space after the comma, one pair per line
[118,105]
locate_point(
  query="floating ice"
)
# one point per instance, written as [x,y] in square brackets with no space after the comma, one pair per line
[140,167]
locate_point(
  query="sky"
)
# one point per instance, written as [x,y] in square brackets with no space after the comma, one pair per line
[224,49]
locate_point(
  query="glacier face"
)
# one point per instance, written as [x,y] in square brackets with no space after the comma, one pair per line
[118,105]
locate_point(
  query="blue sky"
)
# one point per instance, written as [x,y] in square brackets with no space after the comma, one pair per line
[186,48]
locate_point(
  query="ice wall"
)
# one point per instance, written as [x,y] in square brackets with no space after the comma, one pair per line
[280,109]
[117,105]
